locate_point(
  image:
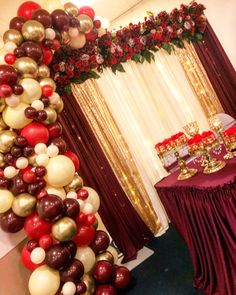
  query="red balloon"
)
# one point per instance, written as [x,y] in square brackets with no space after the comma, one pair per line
[17,23]
[45,242]
[73,158]
[97,23]
[27,8]
[82,194]
[8,75]
[89,219]
[5,91]
[84,236]
[29,176]
[88,11]
[121,277]
[80,218]
[103,272]
[10,58]
[35,133]
[47,90]
[55,130]
[105,290]
[56,44]
[91,36]
[35,227]
[25,258]
[41,194]
[47,55]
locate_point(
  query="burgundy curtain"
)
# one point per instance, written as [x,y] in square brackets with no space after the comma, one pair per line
[219,69]
[125,226]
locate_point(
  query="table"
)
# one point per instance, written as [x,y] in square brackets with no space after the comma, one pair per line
[203,211]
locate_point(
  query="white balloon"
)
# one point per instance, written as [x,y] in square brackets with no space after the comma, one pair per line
[69,288]
[81,203]
[44,281]
[32,90]
[37,256]
[42,160]
[15,117]
[73,32]
[88,208]
[9,47]
[87,257]
[52,151]
[38,105]
[6,199]
[58,191]
[50,34]
[72,195]
[10,172]
[92,199]
[13,100]
[40,148]
[22,163]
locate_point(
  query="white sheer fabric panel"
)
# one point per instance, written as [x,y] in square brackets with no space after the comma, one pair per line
[149,103]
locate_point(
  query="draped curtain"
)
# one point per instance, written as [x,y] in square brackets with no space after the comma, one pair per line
[149,103]
[123,223]
[116,150]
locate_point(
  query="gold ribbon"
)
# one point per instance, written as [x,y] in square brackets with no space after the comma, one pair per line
[198,80]
[116,150]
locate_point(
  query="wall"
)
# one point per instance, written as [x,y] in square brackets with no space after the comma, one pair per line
[220,13]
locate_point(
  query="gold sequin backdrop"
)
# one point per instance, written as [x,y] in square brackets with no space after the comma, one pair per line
[198,80]
[116,150]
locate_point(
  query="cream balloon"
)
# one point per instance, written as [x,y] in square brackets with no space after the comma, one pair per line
[15,117]
[78,41]
[60,171]
[48,81]
[44,281]
[2,55]
[87,257]
[51,5]
[6,199]
[58,191]
[32,90]
[92,199]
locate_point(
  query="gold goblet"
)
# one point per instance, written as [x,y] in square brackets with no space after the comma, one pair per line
[191,128]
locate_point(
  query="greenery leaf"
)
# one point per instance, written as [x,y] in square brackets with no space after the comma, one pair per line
[167,47]
[117,67]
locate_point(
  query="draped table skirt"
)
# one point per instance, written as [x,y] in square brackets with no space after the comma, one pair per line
[203,210]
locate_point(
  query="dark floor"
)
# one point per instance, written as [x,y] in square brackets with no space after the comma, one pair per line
[168,271]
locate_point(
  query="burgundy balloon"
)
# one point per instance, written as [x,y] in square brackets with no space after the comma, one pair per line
[33,189]
[31,245]
[40,171]
[105,290]
[41,183]
[20,141]
[28,151]
[103,272]
[60,20]
[72,207]
[50,208]
[18,89]
[4,183]
[55,130]
[45,101]
[42,115]
[58,35]
[32,50]
[71,246]
[121,277]
[81,288]
[18,186]
[17,23]
[73,272]
[9,159]
[74,22]
[16,151]
[5,91]
[8,75]
[58,257]
[19,52]
[42,16]
[100,242]
[48,43]
[60,143]
[10,222]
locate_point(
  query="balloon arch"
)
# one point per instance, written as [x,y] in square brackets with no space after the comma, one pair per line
[40,189]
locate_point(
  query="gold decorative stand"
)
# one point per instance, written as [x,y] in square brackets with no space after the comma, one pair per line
[212,165]
[185,171]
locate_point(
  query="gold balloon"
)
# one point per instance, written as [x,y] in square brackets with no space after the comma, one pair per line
[6,140]
[27,67]
[105,256]
[51,116]
[48,81]
[51,5]
[71,9]
[85,23]
[78,42]
[13,35]
[64,229]
[2,104]
[33,30]
[43,72]
[90,284]
[32,160]
[65,37]
[24,204]
[58,106]
[76,184]
[3,125]
[2,163]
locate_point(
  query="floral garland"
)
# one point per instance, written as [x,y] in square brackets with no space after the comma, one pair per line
[136,42]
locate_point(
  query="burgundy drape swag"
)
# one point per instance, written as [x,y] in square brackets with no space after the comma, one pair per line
[219,69]
[123,223]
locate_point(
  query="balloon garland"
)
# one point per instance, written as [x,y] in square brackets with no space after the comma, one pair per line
[40,189]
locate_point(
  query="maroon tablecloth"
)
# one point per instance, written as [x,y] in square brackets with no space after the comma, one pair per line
[203,210]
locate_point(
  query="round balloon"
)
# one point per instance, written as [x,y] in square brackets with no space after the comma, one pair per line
[58,191]
[27,8]
[35,133]
[17,23]
[85,23]
[33,30]
[35,227]
[93,198]
[26,67]
[32,50]
[73,158]
[15,117]
[13,35]
[10,222]
[43,16]
[32,90]
[44,280]
[87,11]
[106,290]
[6,200]
[51,5]
[8,75]
[60,20]
[84,235]
[87,257]
[60,171]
